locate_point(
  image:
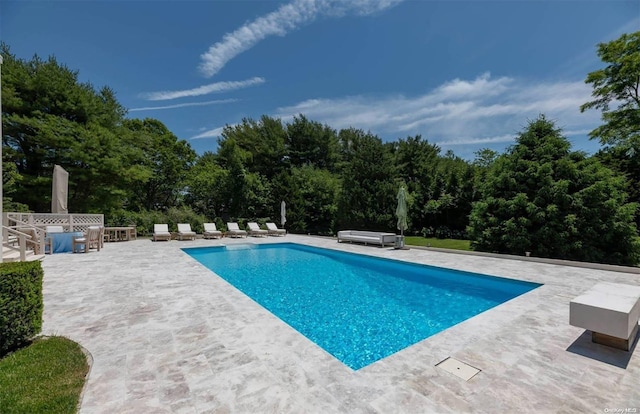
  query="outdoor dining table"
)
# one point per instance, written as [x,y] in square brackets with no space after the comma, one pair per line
[63,242]
[124,233]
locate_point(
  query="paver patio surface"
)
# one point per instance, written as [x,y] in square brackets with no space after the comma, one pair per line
[169,336]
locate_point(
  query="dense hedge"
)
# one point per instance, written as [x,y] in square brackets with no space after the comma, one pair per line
[20,303]
[144,220]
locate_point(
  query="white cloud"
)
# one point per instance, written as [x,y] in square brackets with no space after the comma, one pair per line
[212,133]
[483,85]
[285,19]
[458,112]
[182,105]
[574,132]
[217,87]
[477,141]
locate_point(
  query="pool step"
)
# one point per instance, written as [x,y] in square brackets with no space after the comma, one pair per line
[243,246]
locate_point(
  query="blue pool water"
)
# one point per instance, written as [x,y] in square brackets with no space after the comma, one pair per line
[359,309]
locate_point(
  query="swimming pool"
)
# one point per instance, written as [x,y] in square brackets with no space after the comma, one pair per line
[358,308]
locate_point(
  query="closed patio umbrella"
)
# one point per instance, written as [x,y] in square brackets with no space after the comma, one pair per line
[401,210]
[283,212]
[59,190]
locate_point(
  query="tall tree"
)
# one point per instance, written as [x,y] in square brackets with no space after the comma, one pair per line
[262,144]
[450,196]
[312,200]
[416,161]
[367,199]
[206,184]
[162,164]
[542,198]
[311,143]
[51,118]
[617,85]
[616,92]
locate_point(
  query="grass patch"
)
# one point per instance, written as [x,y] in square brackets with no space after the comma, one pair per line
[442,243]
[45,377]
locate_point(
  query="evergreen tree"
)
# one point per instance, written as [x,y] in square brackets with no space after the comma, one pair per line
[542,198]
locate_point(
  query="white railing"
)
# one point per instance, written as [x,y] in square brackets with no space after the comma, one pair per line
[36,235]
[22,239]
[70,222]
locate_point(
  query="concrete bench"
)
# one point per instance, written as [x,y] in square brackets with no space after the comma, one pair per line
[610,311]
[366,237]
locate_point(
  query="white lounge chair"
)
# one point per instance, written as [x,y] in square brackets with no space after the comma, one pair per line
[255,230]
[275,231]
[185,232]
[161,232]
[210,231]
[234,231]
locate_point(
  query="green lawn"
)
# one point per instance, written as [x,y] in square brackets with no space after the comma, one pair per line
[442,243]
[45,377]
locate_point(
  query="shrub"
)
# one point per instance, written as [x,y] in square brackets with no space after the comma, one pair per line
[20,303]
[428,232]
[184,214]
[220,224]
[459,234]
[443,232]
[144,220]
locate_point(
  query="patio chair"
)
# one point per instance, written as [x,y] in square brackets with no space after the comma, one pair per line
[34,241]
[275,231]
[88,241]
[101,236]
[234,231]
[161,232]
[185,232]
[255,230]
[210,231]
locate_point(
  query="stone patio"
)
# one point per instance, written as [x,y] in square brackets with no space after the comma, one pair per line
[169,336]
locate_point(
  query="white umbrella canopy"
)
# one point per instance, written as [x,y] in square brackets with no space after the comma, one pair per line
[283,212]
[401,210]
[59,190]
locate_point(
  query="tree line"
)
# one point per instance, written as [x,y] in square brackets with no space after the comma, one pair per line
[538,196]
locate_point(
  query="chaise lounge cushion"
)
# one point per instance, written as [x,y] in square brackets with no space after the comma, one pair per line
[233,230]
[366,237]
[211,232]
[161,232]
[274,230]
[255,230]
[185,232]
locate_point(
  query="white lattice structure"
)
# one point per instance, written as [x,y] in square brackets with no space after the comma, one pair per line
[70,222]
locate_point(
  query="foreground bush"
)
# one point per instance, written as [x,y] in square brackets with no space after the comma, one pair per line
[20,303]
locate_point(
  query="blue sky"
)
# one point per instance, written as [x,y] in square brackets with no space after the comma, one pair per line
[464,74]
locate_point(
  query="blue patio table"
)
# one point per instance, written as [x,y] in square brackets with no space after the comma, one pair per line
[63,242]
